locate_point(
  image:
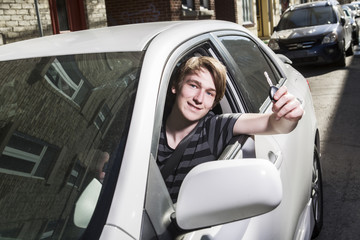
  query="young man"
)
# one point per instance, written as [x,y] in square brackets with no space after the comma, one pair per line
[198,86]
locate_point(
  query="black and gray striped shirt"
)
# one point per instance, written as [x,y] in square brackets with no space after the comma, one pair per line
[211,136]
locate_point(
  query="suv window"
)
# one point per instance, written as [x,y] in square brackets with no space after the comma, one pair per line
[306,17]
[250,64]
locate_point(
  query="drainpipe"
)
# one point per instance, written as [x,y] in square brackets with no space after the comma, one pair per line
[38,18]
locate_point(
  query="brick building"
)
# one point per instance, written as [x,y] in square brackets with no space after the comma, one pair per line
[139,11]
[24,19]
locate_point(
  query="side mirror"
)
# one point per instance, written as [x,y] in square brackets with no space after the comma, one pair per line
[86,204]
[342,21]
[284,59]
[223,191]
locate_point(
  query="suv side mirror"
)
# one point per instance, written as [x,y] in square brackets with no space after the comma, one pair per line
[224,191]
[342,20]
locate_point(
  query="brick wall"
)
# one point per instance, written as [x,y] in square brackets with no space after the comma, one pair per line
[226,10]
[139,11]
[18,20]
[96,13]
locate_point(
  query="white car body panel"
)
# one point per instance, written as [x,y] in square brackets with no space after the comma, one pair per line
[141,133]
[160,39]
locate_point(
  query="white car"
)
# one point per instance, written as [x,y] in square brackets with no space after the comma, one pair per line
[80,121]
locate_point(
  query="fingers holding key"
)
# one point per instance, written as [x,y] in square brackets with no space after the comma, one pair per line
[287,106]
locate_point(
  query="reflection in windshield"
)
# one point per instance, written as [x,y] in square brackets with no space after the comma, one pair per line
[63,122]
[307,17]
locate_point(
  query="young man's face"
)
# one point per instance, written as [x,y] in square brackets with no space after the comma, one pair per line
[196,95]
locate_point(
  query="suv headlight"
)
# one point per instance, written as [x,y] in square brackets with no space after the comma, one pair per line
[273,44]
[330,38]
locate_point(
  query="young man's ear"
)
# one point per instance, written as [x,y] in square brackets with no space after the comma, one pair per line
[173,89]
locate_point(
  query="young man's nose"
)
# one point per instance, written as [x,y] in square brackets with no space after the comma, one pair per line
[199,97]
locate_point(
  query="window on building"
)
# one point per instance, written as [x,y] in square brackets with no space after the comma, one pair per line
[187,4]
[49,230]
[247,11]
[204,4]
[27,156]
[10,232]
[102,119]
[77,174]
[67,15]
[62,14]
[64,75]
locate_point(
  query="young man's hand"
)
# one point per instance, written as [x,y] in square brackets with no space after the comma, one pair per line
[287,106]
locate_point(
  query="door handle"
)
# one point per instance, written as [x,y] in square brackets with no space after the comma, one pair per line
[275,158]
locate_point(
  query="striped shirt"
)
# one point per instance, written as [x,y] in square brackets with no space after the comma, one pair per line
[212,134]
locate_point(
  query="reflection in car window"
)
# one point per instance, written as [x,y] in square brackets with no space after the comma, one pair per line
[249,75]
[307,17]
[63,124]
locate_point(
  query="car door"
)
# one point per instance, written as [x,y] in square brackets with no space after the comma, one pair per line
[158,201]
[346,26]
[248,64]
[248,61]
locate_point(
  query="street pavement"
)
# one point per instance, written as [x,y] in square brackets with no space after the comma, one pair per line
[336,96]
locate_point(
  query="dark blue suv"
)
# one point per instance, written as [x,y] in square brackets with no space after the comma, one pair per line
[316,32]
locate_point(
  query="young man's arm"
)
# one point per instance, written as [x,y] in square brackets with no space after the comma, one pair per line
[287,111]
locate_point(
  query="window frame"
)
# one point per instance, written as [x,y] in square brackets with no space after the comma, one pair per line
[29,157]
[75,16]
[232,65]
[83,84]
[248,12]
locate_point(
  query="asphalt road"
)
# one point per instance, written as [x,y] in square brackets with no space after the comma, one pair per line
[336,96]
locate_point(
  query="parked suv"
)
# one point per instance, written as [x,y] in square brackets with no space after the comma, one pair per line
[316,32]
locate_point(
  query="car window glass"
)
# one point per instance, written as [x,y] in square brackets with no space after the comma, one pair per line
[341,11]
[248,73]
[63,127]
[307,17]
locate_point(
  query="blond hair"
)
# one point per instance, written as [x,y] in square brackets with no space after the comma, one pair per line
[194,65]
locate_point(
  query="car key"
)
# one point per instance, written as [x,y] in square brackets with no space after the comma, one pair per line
[272,89]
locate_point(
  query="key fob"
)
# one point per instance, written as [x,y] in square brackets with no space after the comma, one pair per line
[272,92]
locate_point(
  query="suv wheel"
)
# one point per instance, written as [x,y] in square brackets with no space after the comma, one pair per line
[350,50]
[342,58]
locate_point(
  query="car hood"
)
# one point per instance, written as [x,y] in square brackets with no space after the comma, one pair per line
[304,32]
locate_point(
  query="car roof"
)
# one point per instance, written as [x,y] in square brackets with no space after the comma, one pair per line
[313,4]
[132,37]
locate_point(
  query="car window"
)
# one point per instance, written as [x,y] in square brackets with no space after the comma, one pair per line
[307,17]
[341,11]
[63,127]
[249,66]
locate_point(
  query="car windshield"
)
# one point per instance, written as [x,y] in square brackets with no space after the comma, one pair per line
[306,17]
[63,128]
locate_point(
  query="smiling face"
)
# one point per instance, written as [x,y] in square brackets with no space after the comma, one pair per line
[196,95]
